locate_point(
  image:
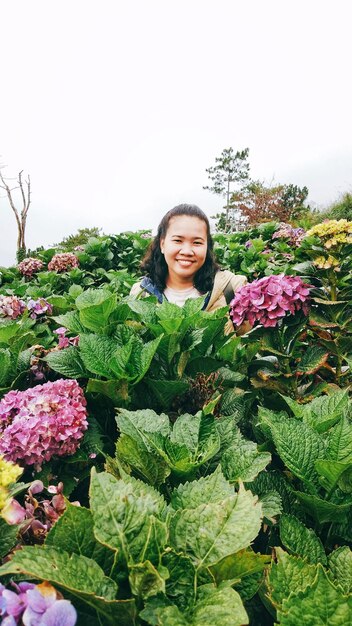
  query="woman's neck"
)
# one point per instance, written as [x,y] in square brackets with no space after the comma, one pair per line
[174,282]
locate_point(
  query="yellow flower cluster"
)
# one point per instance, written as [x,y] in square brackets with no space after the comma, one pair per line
[9,472]
[333,232]
[326,263]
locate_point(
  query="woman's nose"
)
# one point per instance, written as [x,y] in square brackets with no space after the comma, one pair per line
[186,249]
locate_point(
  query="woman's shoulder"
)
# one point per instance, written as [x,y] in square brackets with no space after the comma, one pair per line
[224,277]
[136,289]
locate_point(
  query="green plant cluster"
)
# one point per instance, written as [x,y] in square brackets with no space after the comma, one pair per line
[215,478]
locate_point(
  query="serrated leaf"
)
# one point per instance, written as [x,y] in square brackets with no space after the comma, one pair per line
[212,488]
[95,307]
[8,537]
[71,321]
[335,473]
[268,482]
[213,531]
[5,366]
[339,443]
[320,603]
[166,390]
[322,510]
[300,540]
[312,360]
[8,330]
[324,411]
[73,532]
[96,351]
[299,447]
[73,572]
[145,580]
[340,566]
[135,456]
[67,362]
[289,573]
[242,460]
[237,566]
[271,504]
[127,517]
[180,583]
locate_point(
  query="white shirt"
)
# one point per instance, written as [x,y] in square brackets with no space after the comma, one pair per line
[179,296]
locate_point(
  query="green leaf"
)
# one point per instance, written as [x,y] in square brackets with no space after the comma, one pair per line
[335,473]
[198,434]
[289,573]
[71,321]
[135,456]
[242,461]
[212,488]
[145,580]
[73,572]
[324,411]
[67,362]
[95,307]
[339,443]
[299,446]
[274,481]
[8,330]
[320,603]
[312,360]
[210,532]
[117,390]
[271,505]
[216,607]
[237,566]
[73,532]
[127,517]
[322,510]
[137,423]
[340,566]
[96,352]
[5,367]
[8,537]
[300,540]
[166,390]
[180,583]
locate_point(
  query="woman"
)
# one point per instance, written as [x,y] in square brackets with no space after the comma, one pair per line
[180,263]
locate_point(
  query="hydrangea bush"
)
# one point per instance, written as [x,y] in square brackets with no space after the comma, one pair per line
[63,262]
[293,235]
[267,300]
[30,266]
[41,422]
[333,233]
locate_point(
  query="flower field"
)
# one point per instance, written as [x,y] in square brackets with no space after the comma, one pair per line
[154,470]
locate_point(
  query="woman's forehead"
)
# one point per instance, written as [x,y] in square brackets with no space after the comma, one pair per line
[186,225]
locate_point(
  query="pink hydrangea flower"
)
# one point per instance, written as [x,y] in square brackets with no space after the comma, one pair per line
[11,307]
[39,307]
[65,342]
[42,421]
[30,266]
[267,300]
[63,262]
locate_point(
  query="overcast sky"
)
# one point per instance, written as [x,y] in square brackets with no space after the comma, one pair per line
[116,108]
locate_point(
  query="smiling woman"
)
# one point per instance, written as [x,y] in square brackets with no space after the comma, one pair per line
[180,263]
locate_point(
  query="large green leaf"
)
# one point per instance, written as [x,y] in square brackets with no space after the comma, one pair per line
[289,573]
[320,603]
[274,481]
[145,580]
[324,411]
[335,473]
[117,390]
[299,446]
[8,537]
[339,443]
[212,488]
[8,330]
[166,390]
[96,352]
[300,540]
[133,360]
[180,585]
[73,532]
[340,566]
[240,565]
[71,321]
[322,510]
[67,362]
[5,367]
[135,456]
[127,517]
[210,532]
[73,572]
[95,307]
[242,460]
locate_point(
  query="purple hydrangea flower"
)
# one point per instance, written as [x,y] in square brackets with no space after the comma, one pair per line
[35,605]
[42,421]
[286,231]
[39,307]
[65,342]
[267,300]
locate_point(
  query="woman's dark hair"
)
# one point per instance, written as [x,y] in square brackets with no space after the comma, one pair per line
[154,264]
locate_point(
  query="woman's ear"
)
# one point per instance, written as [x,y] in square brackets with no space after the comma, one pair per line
[162,246]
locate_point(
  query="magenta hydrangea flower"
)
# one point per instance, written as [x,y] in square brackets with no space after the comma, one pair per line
[286,231]
[63,262]
[65,342]
[267,300]
[39,307]
[11,307]
[30,266]
[42,421]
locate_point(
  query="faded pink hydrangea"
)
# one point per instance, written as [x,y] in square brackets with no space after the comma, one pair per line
[65,342]
[267,300]
[42,421]
[30,266]
[286,231]
[11,307]
[63,262]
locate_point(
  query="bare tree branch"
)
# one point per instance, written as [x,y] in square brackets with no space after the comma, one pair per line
[20,216]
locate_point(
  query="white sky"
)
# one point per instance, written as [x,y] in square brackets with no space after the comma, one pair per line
[116,108]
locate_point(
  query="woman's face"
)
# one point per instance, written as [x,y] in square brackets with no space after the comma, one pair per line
[184,247]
